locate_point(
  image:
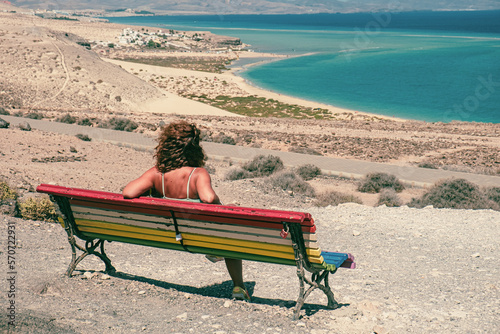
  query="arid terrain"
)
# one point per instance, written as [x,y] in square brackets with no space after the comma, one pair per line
[420,270]
[46,73]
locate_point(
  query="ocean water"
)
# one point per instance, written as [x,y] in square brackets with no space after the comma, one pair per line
[431,66]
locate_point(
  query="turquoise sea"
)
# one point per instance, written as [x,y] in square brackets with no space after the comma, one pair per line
[431,66]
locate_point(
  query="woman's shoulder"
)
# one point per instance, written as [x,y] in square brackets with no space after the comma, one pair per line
[200,171]
[153,171]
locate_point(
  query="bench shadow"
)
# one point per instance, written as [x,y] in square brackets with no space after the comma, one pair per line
[223,291]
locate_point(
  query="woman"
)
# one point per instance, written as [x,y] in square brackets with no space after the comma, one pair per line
[179,174]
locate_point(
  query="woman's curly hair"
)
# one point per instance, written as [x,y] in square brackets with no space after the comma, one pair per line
[179,146]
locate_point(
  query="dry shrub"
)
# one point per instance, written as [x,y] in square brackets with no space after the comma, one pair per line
[224,139]
[304,150]
[85,122]
[389,197]
[454,194]
[308,171]
[83,137]
[374,182]
[210,169]
[493,194]
[335,198]
[38,209]
[262,165]
[120,124]
[6,192]
[237,173]
[289,181]
[34,115]
[429,165]
[68,119]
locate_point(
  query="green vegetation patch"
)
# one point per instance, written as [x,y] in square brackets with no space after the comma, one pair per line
[6,192]
[38,209]
[193,63]
[262,107]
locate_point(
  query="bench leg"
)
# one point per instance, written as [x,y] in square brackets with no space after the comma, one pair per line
[90,248]
[318,281]
[63,208]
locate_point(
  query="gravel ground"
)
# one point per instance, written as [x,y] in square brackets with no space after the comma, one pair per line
[419,271]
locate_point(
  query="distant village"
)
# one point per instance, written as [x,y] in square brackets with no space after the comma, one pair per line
[144,38]
[176,40]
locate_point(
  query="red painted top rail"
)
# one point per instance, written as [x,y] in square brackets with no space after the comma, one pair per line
[179,206]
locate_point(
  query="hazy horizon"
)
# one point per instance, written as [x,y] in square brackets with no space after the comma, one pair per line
[221,7]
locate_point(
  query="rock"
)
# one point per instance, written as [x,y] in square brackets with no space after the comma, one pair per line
[87,275]
[25,126]
[8,207]
[476,255]
[356,233]
[105,277]
[4,124]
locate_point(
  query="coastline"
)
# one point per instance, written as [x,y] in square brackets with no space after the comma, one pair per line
[254,89]
[181,105]
[110,31]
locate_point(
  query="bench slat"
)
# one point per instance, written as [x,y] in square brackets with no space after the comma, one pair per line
[303,218]
[109,234]
[253,221]
[162,223]
[344,260]
[275,240]
[188,238]
[195,249]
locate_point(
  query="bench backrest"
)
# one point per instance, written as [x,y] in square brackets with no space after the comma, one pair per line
[227,231]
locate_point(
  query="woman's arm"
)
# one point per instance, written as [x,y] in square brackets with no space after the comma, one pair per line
[204,188]
[141,185]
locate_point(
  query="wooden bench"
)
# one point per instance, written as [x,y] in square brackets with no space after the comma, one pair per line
[273,236]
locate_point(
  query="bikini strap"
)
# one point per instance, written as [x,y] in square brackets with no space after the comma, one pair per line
[189,180]
[163,184]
